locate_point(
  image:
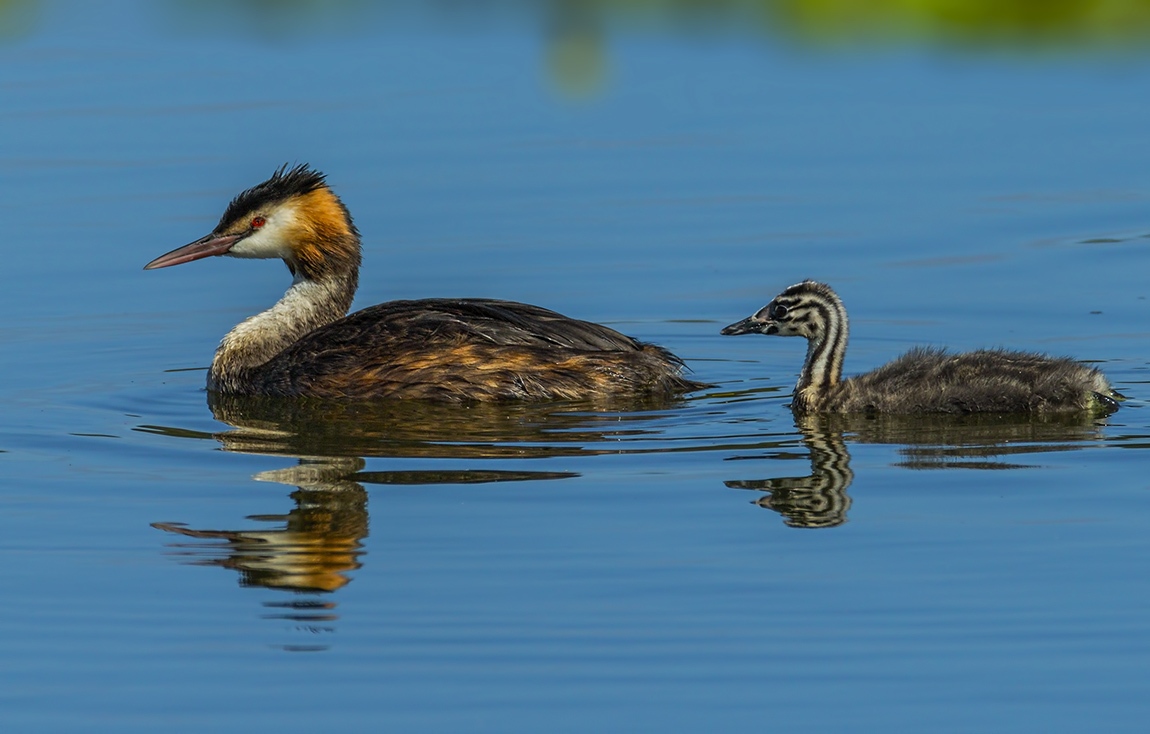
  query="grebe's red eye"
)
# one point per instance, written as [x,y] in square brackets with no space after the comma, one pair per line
[258,222]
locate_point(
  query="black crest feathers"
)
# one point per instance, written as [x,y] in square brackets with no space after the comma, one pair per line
[284,184]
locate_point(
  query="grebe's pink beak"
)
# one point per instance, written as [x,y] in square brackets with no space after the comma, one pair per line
[213,244]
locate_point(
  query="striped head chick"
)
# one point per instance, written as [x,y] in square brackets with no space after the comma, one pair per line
[814,311]
[925,379]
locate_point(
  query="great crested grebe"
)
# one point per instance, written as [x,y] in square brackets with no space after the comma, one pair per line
[464,349]
[924,380]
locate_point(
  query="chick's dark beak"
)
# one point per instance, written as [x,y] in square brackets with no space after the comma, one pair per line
[213,244]
[750,325]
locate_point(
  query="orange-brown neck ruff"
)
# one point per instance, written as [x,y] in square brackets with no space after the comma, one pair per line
[325,242]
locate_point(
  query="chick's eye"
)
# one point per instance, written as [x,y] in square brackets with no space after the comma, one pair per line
[258,222]
[778,311]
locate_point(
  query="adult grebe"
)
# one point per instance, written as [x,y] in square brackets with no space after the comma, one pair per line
[442,349]
[924,380]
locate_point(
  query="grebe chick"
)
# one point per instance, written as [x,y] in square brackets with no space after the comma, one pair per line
[924,380]
[441,349]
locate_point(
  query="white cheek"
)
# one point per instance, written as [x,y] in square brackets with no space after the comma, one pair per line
[268,242]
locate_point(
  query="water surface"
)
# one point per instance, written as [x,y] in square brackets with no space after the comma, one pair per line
[708,563]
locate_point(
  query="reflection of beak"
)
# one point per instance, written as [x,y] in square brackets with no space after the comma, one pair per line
[213,244]
[749,325]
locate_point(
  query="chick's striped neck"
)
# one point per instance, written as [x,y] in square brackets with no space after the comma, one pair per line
[826,346]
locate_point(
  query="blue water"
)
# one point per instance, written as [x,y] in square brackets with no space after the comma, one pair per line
[698,565]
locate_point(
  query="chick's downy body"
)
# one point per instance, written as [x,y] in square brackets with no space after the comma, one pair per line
[924,380]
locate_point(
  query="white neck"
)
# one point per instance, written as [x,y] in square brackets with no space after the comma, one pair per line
[306,306]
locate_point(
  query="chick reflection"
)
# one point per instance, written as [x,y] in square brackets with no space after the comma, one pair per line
[816,501]
[985,442]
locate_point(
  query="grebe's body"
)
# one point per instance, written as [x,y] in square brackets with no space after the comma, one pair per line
[441,349]
[924,380]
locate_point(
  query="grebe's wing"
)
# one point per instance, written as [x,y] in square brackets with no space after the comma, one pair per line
[469,349]
[461,320]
